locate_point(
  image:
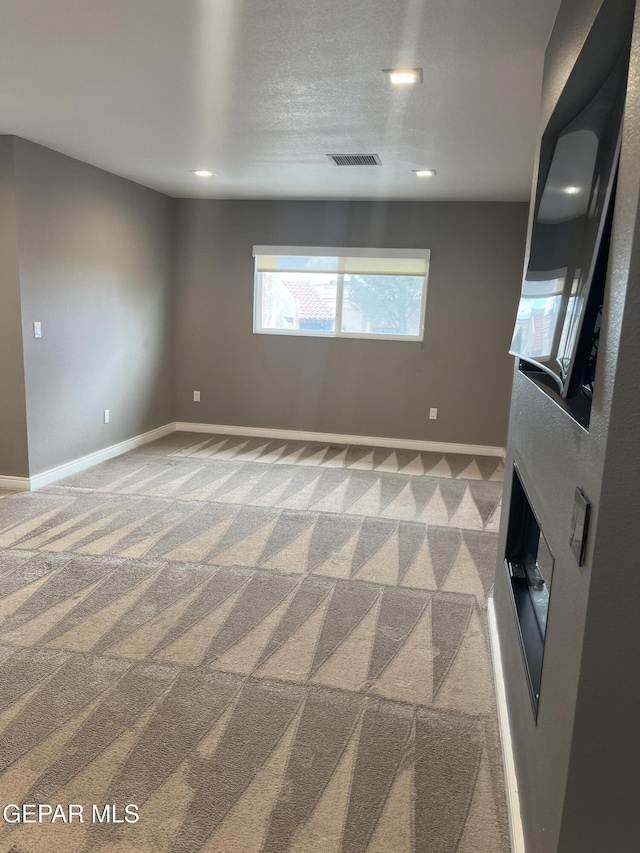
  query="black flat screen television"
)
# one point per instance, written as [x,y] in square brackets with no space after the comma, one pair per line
[557,323]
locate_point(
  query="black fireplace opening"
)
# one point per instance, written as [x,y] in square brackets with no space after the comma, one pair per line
[529,564]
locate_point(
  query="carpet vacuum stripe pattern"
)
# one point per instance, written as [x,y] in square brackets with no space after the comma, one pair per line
[268,647]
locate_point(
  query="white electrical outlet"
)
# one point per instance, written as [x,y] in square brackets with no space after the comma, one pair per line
[433,414]
[37,329]
[106,416]
[196,396]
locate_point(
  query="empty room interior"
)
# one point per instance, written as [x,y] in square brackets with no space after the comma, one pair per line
[319,426]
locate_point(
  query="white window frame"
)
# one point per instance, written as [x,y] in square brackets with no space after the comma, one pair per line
[325,251]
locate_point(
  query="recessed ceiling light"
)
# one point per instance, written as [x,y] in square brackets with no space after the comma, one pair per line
[572,190]
[403,76]
[202,173]
[424,173]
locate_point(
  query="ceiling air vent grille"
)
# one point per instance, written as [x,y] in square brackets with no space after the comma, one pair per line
[355,159]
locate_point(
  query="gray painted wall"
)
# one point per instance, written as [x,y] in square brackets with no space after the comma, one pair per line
[601,805]
[14,460]
[96,271]
[379,388]
[577,768]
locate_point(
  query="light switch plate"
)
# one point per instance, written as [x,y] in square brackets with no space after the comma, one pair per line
[37,329]
[580,525]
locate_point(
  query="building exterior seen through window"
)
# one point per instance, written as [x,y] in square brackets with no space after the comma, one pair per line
[360,293]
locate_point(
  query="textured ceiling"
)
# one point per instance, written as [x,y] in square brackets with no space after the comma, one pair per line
[260,92]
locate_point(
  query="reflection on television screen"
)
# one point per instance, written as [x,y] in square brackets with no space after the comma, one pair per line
[559,298]
[538,314]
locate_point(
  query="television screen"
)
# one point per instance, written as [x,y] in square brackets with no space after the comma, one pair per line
[562,287]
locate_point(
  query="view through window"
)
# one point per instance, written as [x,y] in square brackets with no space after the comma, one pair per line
[359,293]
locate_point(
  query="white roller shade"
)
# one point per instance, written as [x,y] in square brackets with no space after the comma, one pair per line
[411,262]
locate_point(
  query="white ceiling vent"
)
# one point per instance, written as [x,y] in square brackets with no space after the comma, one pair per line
[355,159]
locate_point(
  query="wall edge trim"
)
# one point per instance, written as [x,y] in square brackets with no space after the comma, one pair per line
[84,462]
[25,484]
[336,438]
[510,777]
[14,484]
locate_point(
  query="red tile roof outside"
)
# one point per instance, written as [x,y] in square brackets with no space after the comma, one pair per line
[310,304]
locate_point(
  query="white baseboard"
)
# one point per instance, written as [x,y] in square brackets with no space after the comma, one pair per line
[15,484]
[25,484]
[333,438]
[69,468]
[510,778]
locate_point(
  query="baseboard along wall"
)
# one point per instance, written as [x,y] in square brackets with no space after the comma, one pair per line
[510,777]
[26,484]
[15,484]
[29,484]
[337,438]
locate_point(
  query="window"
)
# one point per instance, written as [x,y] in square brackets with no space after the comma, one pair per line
[346,293]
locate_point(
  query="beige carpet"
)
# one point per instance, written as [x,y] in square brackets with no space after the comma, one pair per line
[265,646]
